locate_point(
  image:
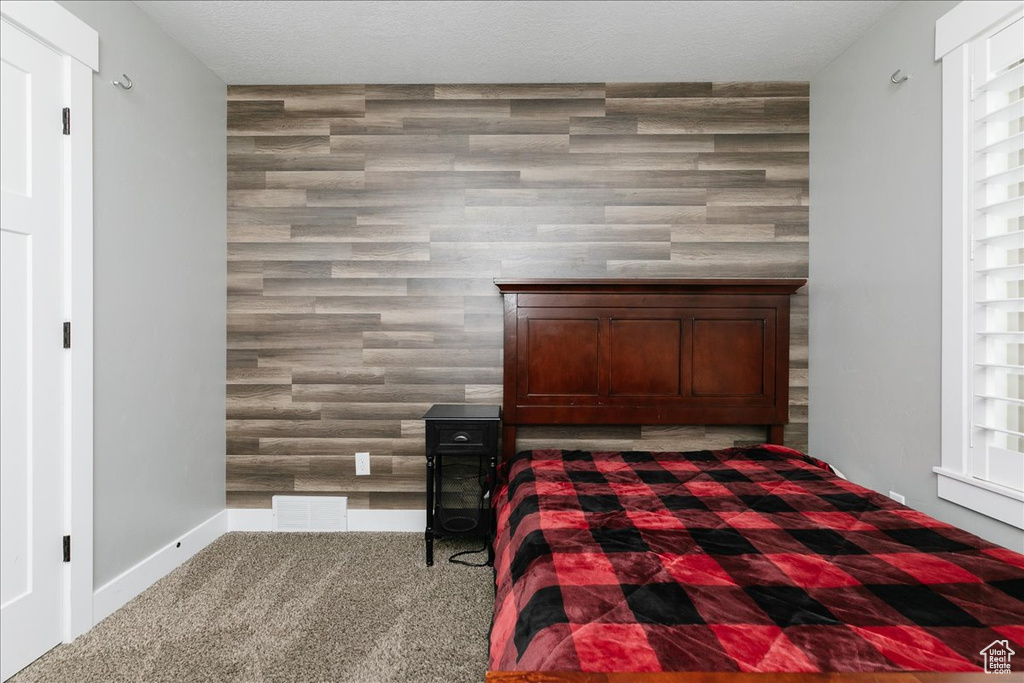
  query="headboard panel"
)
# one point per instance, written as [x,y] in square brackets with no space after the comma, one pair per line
[711,351]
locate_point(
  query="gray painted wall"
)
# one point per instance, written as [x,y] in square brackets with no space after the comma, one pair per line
[875,294]
[160,236]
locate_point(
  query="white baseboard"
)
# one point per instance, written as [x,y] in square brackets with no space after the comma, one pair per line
[113,595]
[387,520]
[249,520]
[358,520]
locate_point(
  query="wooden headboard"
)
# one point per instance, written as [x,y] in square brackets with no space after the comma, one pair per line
[709,351]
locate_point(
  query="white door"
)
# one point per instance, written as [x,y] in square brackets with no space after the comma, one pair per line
[31,350]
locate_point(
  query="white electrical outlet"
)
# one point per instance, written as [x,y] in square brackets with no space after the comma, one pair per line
[898,497]
[362,463]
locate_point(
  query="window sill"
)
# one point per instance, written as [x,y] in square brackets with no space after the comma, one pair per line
[991,500]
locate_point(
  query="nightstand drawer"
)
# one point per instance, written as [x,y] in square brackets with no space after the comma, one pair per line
[461,435]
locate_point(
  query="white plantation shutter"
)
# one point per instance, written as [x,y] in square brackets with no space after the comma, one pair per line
[996,292]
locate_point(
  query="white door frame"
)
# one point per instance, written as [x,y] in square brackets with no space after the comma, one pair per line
[79,44]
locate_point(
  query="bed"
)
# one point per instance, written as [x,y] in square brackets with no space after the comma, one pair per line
[736,562]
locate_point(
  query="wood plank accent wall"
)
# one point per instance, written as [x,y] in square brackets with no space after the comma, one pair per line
[366,223]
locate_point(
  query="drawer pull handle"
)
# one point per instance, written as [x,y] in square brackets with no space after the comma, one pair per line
[460,437]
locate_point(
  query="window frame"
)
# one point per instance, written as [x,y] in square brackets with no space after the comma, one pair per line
[953,33]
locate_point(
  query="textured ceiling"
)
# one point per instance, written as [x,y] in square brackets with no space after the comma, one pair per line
[505,42]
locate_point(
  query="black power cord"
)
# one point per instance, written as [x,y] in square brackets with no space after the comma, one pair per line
[482,548]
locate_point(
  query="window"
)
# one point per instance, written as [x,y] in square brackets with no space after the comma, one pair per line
[981,45]
[997,140]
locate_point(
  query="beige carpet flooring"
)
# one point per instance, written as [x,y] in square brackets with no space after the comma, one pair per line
[261,607]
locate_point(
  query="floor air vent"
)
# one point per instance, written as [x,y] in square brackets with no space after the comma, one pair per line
[310,513]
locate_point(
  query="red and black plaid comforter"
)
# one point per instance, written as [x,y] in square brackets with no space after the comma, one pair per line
[753,559]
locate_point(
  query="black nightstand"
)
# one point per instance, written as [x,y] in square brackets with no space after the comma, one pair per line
[462,453]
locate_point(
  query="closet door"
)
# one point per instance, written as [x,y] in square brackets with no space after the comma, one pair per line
[31,350]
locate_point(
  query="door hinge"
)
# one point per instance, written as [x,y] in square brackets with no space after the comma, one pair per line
[67,120]
[67,548]
[67,335]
